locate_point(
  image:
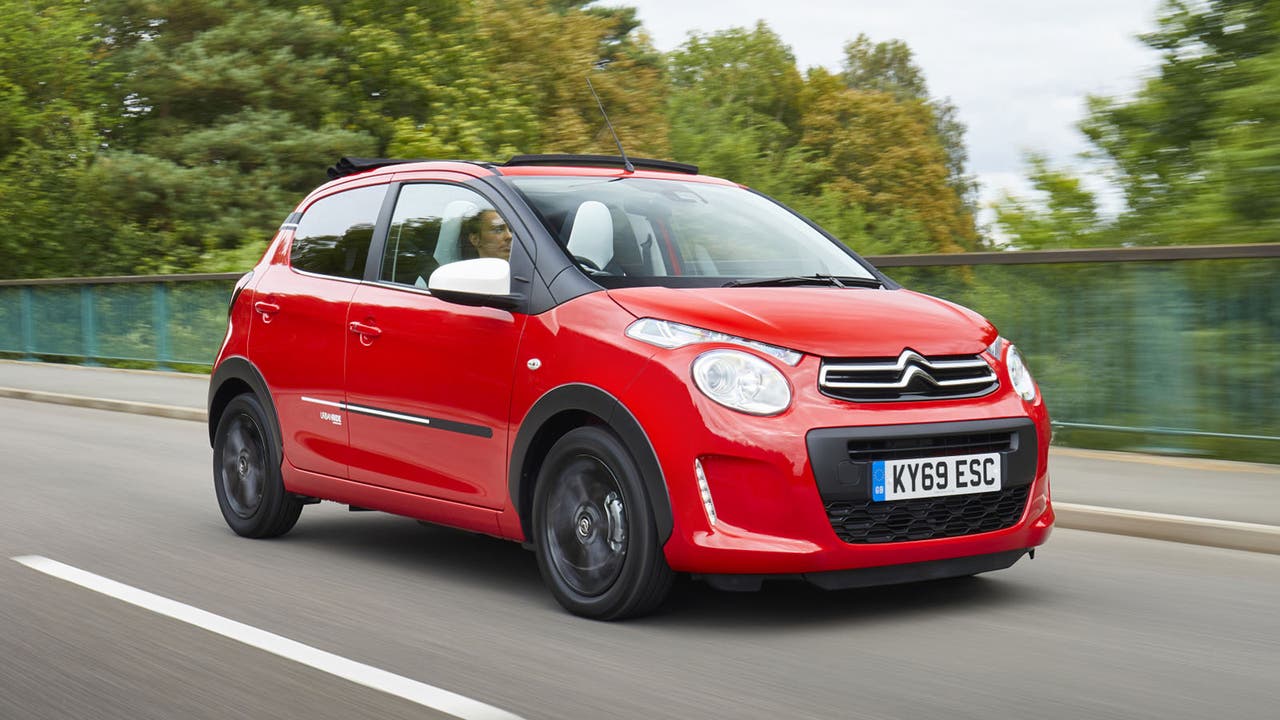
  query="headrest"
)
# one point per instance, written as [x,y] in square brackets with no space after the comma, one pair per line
[455,214]
[592,233]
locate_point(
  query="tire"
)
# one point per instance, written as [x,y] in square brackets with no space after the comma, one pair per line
[594,531]
[246,473]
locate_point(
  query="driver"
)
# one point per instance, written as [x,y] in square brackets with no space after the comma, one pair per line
[488,236]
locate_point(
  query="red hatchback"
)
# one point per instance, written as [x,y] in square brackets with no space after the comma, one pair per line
[636,371]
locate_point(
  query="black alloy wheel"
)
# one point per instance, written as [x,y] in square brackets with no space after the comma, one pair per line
[246,473]
[594,529]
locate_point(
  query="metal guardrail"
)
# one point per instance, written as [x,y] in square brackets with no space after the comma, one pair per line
[1178,347]
[1165,348]
[1083,255]
[122,279]
[162,320]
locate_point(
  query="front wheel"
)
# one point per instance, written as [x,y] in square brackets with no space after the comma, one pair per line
[246,473]
[594,530]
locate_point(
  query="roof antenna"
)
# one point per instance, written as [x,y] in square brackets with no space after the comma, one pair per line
[601,65]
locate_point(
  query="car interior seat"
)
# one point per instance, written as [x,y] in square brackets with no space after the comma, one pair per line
[627,259]
[591,238]
[449,244]
[603,235]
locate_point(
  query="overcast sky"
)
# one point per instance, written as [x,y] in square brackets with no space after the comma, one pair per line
[1018,70]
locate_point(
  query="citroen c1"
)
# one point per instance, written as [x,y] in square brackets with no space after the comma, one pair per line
[633,369]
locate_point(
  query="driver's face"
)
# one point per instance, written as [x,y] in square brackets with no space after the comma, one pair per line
[494,240]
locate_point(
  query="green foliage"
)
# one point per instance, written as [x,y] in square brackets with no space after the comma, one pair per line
[173,135]
[51,92]
[144,135]
[1196,151]
[1068,211]
[861,152]
[889,67]
[734,106]
[881,153]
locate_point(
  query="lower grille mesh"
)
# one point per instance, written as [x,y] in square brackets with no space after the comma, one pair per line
[932,446]
[868,522]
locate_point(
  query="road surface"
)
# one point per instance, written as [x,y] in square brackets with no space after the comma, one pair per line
[1095,626]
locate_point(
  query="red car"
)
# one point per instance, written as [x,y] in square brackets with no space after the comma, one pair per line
[633,369]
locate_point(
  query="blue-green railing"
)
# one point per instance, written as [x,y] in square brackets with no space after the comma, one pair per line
[1168,348]
[1171,349]
[161,320]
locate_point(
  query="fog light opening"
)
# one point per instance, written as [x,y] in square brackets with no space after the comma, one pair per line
[705,491]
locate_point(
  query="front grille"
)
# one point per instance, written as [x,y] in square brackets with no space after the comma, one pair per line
[931,446]
[910,376]
[867,522]
[842,460]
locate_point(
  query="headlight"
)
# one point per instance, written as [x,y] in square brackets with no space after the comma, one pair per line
[670,335]
[741,381]
[1019,375]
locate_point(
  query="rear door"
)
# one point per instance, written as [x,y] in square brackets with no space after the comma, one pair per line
[429,382]
[300,318]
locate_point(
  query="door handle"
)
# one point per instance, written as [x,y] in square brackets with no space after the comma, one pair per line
[366,332]
[266,309]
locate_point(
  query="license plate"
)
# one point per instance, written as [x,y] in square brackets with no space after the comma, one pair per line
[935,477]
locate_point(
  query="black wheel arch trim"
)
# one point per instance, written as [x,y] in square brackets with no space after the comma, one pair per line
[239,368]
[580,397]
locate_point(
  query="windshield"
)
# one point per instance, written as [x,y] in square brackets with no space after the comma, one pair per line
[628,231]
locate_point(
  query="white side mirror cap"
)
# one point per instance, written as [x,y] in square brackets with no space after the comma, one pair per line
[473,282]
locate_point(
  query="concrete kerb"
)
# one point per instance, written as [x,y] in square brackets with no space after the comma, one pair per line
[137,408]
[1156,526]
[1176,528]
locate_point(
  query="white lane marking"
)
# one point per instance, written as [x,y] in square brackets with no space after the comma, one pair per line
[421,693]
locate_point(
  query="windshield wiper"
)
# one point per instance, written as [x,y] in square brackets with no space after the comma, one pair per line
[816,279]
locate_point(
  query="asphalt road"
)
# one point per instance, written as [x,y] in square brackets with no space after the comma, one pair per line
[1096,626]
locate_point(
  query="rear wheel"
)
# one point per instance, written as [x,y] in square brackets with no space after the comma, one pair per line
[594,529]
[246,473]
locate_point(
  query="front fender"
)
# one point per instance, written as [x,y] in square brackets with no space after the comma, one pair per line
[578,398]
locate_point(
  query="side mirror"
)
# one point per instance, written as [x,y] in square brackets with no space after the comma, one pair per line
[482,282]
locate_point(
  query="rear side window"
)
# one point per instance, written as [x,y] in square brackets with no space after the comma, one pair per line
[334,233]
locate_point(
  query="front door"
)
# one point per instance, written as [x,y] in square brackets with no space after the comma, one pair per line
[429,382]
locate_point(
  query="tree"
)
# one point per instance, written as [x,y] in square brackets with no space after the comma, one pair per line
[734,106]
[512,79]
[874,152]
[890,67]
[1196,151]
[224,116]
[53,89]
[1067,216]
[866,162]
[173,135]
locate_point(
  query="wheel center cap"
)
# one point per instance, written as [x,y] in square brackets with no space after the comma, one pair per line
[243,466]
[584,526]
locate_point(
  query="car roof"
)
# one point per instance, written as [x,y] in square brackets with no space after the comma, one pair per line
[348,169]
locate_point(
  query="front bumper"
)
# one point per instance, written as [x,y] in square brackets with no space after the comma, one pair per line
[875,576]
[778,483]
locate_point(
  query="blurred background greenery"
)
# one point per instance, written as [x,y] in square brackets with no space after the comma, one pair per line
[141,136]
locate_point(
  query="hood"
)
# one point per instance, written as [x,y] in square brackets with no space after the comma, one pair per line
[828,322]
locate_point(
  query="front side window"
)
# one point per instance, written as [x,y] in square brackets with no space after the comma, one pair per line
[435,224]
[648,230]
[334,233]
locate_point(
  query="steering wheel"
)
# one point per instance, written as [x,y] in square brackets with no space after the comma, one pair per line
[588,263]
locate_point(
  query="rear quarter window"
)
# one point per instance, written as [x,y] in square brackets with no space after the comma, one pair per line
[333,235]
